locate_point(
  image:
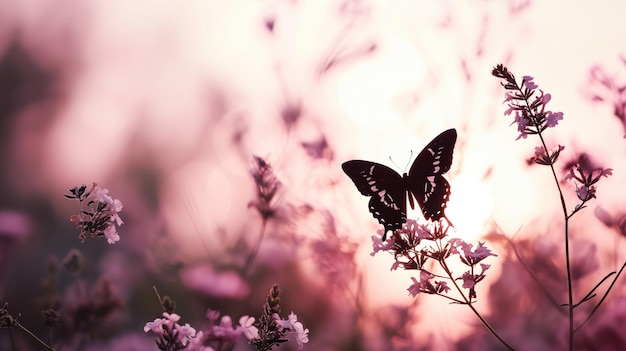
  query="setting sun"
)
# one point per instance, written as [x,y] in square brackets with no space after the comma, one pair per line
[469,206]
[237,174]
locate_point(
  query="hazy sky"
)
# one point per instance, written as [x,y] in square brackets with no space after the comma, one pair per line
[175,85]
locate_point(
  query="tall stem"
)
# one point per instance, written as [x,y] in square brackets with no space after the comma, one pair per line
[570,298]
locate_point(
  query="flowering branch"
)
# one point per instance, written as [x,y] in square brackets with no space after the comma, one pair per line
[99,213]
[413,245]
[532,117]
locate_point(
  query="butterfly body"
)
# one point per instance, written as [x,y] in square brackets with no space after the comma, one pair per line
[423,183]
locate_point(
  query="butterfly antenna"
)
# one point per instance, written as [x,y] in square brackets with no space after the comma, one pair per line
[407,163]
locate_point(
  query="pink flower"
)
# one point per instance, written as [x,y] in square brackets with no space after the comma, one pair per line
[585,180]
[443,286]
[111,234]
[100,216]
[226,331]
[414,288]
[185,333]
[295,327]
[379,245]
[522,124]
[423,285]
[196,343]
[468,280]
[156,326]
[247,327]
[527,81]
[415,231]
[553,118]
[469,257]
[544,98]
[586,193]
[116,208]
[286,324]
[509,110]
[170,319]
[302,334]
[102,195]
[543,158]
[606,172]
[531,114]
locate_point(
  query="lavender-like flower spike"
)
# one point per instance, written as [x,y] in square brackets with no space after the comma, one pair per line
[528,103]
[267,186]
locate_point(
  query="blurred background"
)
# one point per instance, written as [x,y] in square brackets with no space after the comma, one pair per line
[165,104]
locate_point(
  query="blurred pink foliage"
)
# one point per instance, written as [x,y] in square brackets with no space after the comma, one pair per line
[166,104]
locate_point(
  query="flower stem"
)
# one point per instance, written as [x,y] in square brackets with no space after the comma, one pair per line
[469,304]
[570,298]
[48,347]
[255,250]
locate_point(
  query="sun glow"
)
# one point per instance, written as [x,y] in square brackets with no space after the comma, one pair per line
[469,206]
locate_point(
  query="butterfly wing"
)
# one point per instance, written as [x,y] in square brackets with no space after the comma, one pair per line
[425,180]
[385,186]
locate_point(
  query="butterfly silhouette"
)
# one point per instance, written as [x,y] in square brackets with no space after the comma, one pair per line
[424,182]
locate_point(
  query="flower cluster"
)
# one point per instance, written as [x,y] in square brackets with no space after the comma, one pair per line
[101,215]
[532,117]
[531,114]
[472,259]
[220,334]
[272,329]
[585,179]
[415,244]
[173,336]
[543,157]
[293,327]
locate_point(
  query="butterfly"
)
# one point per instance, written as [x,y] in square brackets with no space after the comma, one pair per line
[424,182]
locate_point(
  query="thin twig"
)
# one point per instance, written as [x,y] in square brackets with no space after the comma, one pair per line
[606,293]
